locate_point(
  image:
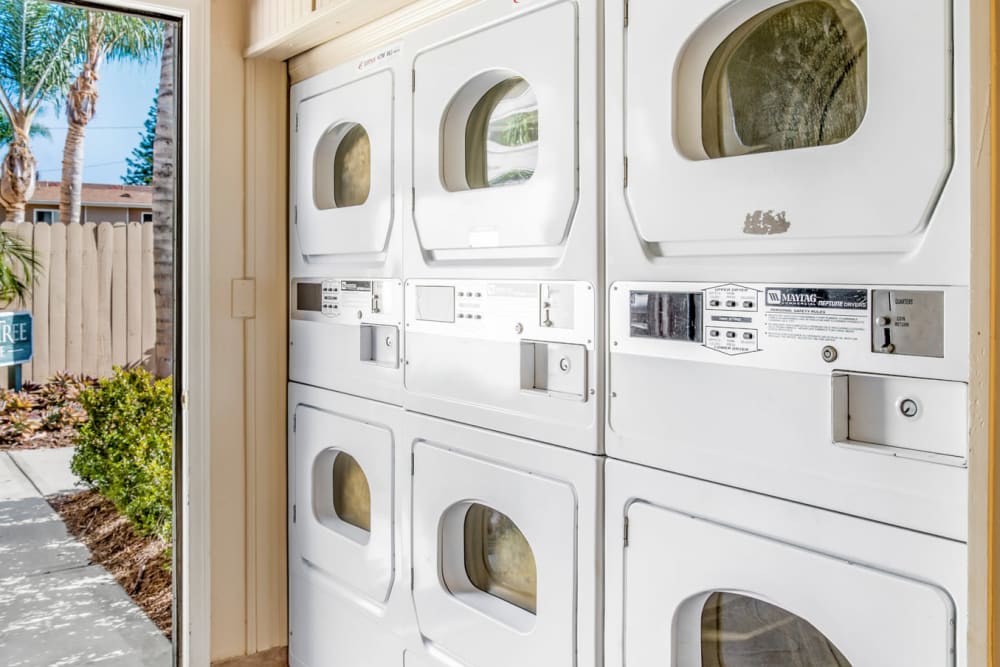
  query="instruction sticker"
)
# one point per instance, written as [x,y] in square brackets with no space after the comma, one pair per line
[816,314]
[380,56]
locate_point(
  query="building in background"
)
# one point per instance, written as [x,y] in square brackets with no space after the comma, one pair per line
[101,203]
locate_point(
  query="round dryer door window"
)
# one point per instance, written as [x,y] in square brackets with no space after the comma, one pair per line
[741,631]
[498,558]
[495,138]
[501,137]
[352,497]
[761,126]
[794,76]
[342,171]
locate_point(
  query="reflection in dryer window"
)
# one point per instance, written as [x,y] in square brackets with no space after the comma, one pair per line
[352,498]
[740,631]
[501,137]
[498,558]
[342,167]
[793,76]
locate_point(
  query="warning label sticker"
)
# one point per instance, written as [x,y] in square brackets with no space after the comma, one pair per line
[816,314]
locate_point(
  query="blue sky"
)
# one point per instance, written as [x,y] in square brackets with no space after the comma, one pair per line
[126,90]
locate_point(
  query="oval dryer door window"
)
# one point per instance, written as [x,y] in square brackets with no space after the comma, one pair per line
[741,631]
[498,558]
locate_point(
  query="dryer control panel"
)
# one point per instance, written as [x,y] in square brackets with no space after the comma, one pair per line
[344,300]
[345,334]
[510,310]
[513,355]
[888,364]
[805,328]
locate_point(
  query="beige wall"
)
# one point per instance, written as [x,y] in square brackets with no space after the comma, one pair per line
[248,368]
[104,214]
[227,485]
[982,395]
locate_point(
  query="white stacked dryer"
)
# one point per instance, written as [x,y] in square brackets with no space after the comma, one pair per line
[788,307]
[348,472]
[503,362]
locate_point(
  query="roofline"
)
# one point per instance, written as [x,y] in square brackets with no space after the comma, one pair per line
[55,204]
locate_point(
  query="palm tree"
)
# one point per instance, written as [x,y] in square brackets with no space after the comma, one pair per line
[164,189]
[7,132]
[36,57]
[102,36]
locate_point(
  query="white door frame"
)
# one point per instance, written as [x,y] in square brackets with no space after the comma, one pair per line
[192,636]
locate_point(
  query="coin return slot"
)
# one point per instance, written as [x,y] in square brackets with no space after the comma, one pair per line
[380,345]
[902,416]
[554,369]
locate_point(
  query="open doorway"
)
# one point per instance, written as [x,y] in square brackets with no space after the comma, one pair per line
[89,392]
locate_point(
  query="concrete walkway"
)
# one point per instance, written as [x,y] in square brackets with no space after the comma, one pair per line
[55,607]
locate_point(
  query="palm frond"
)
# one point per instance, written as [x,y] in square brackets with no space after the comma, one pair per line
[7,132]
[36,50]
[18,268]
[132,38]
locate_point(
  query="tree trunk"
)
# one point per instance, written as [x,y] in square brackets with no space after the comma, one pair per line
[17,172]
[81,103]
[164,207]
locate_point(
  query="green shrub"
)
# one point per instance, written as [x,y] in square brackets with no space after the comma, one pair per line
[124,449]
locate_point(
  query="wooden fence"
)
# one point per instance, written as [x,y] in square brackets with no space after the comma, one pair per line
[93,304]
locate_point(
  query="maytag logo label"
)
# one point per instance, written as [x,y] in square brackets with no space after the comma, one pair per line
[817,297]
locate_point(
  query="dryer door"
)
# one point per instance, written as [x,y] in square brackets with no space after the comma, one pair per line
[495,559]
[700,594]
[342,184]
[495,138]
[826,123]
[343,499]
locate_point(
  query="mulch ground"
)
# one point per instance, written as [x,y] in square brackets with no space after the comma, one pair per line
[139,564]
[43,415]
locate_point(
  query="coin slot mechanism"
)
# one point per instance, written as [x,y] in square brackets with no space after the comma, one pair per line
[908,322]
[907,417]
[554,369]
[557,306]
[380,345]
